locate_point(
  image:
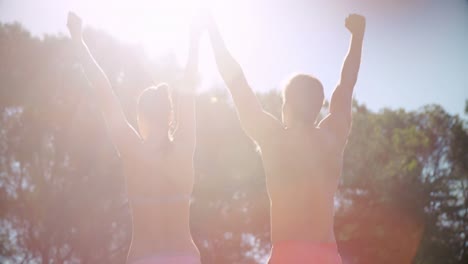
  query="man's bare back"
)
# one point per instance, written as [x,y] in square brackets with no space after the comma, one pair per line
[302,160]
[302,169]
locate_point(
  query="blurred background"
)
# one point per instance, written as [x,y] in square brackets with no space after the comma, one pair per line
[403,196]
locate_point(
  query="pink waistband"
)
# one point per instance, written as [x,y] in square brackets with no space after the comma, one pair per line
[304,252]
[168,260]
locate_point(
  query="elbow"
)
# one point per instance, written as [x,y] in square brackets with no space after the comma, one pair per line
[349,78]
[347,84]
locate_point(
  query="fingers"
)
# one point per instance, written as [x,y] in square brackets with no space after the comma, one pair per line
[206,19]
[201,22]
[74,25]
[73,18]
[355,22]
[355,17]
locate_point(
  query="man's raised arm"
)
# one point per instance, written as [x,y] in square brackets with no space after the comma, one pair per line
[256,122]
[339,119]
[122,133]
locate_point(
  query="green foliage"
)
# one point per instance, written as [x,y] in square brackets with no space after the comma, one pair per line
[402,174]
[466,107]
[403,194]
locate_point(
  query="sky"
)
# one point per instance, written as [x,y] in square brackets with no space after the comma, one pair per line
[415,51]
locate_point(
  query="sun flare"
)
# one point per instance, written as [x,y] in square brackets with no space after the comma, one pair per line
[160,24]
[161,27]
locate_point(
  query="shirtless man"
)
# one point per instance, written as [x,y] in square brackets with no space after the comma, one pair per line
[157,163]
[302,160]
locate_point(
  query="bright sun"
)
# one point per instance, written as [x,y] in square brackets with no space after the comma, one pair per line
[162,26]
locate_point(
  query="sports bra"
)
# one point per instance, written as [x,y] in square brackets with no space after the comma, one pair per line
[144,200]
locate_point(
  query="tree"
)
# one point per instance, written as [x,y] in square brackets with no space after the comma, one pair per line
[403,194]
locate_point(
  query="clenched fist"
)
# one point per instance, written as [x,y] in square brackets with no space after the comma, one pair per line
[356,24]
[75,26]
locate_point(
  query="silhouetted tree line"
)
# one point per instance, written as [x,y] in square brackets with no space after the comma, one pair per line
[402,199]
